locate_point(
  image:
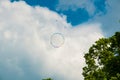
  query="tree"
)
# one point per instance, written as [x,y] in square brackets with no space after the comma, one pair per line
[103,59]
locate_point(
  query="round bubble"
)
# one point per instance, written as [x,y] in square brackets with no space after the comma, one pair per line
[57,40]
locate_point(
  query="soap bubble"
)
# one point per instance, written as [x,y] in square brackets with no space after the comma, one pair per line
[57,40]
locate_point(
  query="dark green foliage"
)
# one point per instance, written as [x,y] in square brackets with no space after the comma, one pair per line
[103,59]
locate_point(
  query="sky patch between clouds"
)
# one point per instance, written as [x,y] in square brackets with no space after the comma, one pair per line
[77,11]
[25,49]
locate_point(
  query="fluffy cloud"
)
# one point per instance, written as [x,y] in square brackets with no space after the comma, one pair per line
[93,7]
[64,5]
[110,21]
[25,49]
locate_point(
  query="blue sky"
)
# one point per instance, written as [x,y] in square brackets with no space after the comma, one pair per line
[80,11]
[75,17]
[29,35]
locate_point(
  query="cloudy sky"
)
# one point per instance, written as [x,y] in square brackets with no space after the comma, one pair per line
[48,38]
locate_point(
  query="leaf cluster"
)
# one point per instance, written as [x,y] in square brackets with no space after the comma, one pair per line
[103,59]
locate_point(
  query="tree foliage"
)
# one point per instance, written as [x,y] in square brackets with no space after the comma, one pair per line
[103,59]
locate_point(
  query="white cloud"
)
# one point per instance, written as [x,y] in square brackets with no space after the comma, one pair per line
[76,4]
[110,21]
[25,49]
